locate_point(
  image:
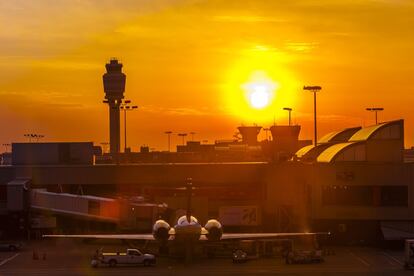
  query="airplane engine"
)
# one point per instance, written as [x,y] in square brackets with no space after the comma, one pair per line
[214,229]
[160,230]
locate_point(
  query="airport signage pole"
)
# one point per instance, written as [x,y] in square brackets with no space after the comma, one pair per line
[314,90]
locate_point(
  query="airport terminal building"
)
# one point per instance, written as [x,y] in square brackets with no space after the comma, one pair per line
[354,183]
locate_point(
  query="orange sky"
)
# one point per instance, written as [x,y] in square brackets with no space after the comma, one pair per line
[187,61]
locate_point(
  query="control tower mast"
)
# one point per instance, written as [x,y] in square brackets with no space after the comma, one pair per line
[114,87]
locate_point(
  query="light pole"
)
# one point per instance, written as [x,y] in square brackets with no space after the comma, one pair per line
[126,107]
[192,135]
[6,146]
[288,109]
[169,132]
[376,110]
[28,136]
[38,136]
[33,135]
[314,89]
[183,136]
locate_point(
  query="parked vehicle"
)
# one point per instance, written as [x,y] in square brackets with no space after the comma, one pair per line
[239,256]
[409,254]
[10,246]
[304,257]
[130,257]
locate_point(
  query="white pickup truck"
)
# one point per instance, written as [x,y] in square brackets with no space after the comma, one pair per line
[131,257]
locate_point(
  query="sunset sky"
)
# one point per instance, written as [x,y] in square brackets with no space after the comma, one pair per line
[191,65]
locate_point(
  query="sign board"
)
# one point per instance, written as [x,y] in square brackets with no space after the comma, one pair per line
[239,215]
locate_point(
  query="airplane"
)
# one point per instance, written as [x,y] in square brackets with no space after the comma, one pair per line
[189,230]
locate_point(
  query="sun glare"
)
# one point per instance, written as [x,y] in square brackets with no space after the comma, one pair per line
[258,85]
[259,98]
[259,94]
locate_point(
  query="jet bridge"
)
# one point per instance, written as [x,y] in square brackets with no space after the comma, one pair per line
[86,206]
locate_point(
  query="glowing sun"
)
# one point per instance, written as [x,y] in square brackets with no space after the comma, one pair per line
[260,94]
[259,97]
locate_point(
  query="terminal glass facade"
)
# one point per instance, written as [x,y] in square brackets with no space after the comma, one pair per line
[344,195]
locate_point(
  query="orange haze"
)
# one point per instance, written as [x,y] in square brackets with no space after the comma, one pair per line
[187,63]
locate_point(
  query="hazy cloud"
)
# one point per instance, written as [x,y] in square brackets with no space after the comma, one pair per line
[247,19]
[301,46]
[179,111]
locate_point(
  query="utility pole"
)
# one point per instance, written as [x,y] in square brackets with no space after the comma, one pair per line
[314,90]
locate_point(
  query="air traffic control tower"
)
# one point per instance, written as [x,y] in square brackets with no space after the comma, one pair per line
[114,87]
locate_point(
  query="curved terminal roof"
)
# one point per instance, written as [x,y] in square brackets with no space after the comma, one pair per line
[391,130]
[301,152]
[349,151]
[310,153]
[339,136]
[326,138]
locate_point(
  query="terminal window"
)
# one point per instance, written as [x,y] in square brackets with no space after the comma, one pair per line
[345,195]
[394,196]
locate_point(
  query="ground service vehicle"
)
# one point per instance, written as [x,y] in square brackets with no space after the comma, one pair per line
[409,254]
[304,257]
[10,246]
[239,256]
[131,257]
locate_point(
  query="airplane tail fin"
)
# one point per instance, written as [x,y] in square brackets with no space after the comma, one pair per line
[189,190]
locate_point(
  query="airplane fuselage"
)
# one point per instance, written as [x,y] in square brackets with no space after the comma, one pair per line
[185,229]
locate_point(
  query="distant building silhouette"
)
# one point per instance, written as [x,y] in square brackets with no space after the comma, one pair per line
[249,134]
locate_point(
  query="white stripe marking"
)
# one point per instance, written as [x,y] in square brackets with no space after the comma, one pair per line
[9,259]
[392,258]
[359,259]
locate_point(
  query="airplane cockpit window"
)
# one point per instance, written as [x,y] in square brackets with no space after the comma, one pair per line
[183,220]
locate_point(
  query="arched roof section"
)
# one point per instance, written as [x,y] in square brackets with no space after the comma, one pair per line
[301,152]
[339,136]
[349,151]
[310,153]
[383,131]
[326,138]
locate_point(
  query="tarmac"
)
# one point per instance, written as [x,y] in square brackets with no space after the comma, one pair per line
[73,258]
